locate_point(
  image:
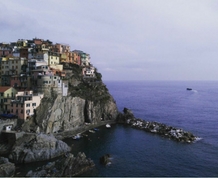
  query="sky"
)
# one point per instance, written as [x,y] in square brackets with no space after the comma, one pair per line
[126,39]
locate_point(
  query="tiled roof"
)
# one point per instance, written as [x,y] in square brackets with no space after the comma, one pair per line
[3,89]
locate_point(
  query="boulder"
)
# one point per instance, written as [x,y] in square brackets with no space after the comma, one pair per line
[37,147]
[7,169]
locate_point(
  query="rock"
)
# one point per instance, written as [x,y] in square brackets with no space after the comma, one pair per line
[41,173]
[105,159]
[37,147]
[68,165]
[7,169]
[126,117]
[154,127]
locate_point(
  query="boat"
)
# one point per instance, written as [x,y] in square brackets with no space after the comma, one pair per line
[76,137]
[96,129]
[188,89]
[108,126]
[91,131]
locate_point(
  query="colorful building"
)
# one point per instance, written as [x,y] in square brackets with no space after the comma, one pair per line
[53,58]
[25,103]
[6,94]
[76,57]
[10,67]
[5,51]
[21,81]
[88,71]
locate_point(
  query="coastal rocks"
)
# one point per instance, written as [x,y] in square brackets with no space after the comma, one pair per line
[37,147]
[105,159]
[7,169]
[154,127]
[68,165]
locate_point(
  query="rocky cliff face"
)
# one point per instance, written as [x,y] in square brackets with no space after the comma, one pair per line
[88,101]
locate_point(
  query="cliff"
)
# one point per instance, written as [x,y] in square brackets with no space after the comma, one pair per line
[88,101]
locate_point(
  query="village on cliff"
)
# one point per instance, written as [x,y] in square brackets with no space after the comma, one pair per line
[28,67]
[30,71]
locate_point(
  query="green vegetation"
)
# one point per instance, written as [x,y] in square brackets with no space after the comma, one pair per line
[91,88]
[93,91]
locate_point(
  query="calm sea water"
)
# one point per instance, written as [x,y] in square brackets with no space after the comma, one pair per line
[138,153]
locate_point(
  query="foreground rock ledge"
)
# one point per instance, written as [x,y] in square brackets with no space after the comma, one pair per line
[37,147]
[154,127]
[7,169]
[69,165]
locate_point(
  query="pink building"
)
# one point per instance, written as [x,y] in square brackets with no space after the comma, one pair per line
[5,52]
[15,81]
[25,103]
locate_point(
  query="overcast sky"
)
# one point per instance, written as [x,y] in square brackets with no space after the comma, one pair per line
[127,39]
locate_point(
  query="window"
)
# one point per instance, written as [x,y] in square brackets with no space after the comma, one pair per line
[33,104]
[27,105]
[5,100]
[21,105]
[16,105]
[12,110]
[27,111]
[21,111]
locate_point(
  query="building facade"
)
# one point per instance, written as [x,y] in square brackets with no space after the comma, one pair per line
[24,104]
[6,95]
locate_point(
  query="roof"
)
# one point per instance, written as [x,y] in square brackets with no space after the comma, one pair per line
[3,89]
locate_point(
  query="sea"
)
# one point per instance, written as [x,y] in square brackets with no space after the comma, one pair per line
[136,153]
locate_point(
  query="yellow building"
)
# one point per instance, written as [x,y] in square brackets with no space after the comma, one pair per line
[10,67]
[22,43]
[6,95]
[53,58]
[63,57]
